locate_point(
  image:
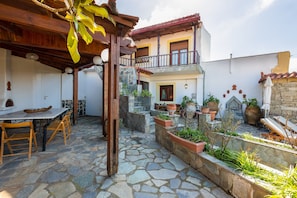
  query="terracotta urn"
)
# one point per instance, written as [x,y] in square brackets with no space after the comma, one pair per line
[171,108]
[212,115]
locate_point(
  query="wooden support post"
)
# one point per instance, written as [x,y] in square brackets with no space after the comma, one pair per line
[75,95]
[105,100]
[113,106]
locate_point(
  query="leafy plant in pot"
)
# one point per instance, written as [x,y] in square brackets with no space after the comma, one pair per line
[213,104]
[193,139]
[252,111]
[163,120]
[188,107]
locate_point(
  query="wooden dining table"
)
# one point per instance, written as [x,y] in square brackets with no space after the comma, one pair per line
[47,116]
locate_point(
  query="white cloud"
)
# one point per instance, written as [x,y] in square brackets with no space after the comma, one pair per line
[240,27]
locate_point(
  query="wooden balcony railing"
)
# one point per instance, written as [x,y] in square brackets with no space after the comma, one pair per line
[164,60]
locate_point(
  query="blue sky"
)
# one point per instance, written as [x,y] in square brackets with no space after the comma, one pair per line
[240,27]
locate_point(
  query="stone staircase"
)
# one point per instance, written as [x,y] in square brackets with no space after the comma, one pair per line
[139,107]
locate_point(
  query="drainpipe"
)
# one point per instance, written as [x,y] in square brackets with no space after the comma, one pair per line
[203,89]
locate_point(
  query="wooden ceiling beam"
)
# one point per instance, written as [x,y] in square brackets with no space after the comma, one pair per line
[47,41]
[42,22]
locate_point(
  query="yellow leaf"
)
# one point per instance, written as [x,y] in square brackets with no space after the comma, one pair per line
[99,28]
[72,44]
[84,33]
[98,11]
[86,2]
[88,14]
[87,21]
[69,16]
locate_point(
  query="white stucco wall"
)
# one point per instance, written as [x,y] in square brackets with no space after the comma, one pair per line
[93,93]
[203,43]
[244,72]
[179,88]
[34,85]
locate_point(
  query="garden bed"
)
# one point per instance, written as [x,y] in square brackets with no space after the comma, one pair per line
[217,171]
[270,153]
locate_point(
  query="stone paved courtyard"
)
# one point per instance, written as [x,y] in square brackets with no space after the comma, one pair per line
[146,170]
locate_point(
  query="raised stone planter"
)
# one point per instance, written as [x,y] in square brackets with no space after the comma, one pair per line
[217,171]
[271,153]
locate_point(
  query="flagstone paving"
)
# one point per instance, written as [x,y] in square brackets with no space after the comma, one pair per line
[78,169]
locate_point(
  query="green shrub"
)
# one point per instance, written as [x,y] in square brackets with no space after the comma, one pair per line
[193,135]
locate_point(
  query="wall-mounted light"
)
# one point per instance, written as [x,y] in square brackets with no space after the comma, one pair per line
[32,56]
[105,55]
[97,60]
[186,85]
[68,70]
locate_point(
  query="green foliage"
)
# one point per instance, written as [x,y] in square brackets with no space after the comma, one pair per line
[286,184]
[164,117]
[283,185]
[186,99]
[251,102]
[146,93]
[247,162]
[135,93]
[81,17]
[211,98]
[226,155]
[193,135]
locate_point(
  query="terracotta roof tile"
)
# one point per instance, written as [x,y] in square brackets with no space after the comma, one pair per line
[277,76]
[169,27]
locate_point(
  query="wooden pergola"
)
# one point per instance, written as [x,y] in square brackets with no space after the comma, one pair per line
[26,27]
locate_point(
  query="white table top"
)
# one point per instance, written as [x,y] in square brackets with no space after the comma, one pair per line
[21,115]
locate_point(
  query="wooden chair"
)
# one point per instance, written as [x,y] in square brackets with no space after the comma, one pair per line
[14,134]
[286,123]
[63,126]
[278,132]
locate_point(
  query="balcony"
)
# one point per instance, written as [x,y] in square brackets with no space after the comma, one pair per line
[184,63]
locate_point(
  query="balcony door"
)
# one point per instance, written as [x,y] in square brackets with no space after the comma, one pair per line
[179,53]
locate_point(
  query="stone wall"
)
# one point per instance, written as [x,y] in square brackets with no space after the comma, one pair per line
[217,171]
[270,153]
[284,98]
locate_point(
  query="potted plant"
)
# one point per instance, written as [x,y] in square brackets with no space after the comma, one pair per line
[192,139]
[188,106]
[212,103]
[252,111]
[163,120]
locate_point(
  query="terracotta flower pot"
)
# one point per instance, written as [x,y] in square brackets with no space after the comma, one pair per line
[205,110]
[164,123]
[192,146]
[171,108]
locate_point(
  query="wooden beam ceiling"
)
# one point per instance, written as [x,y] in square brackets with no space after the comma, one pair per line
[33,29]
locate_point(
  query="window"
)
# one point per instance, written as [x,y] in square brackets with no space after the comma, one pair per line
[179,53]
[166,93]
[141,55]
